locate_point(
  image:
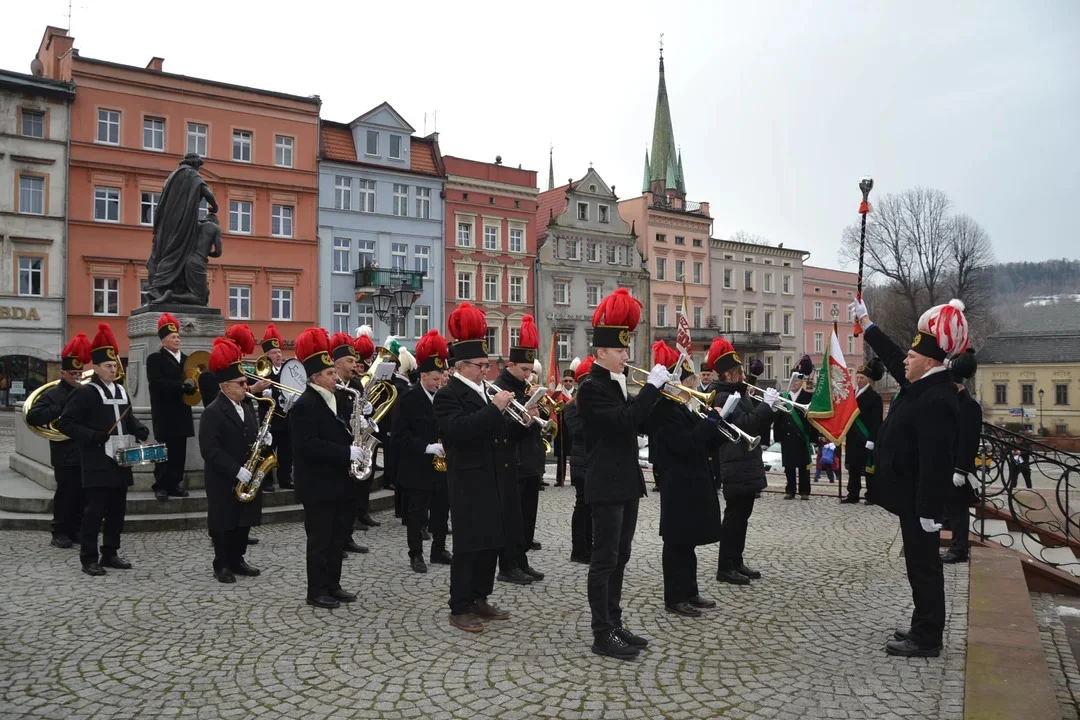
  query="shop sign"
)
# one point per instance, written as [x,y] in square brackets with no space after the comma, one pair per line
[17,312]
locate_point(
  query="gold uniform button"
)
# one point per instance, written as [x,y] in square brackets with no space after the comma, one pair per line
[506,465]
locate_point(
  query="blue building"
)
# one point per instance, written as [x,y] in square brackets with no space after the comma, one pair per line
[380,227]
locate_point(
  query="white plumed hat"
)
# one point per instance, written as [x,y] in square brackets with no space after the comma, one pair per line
[943,331]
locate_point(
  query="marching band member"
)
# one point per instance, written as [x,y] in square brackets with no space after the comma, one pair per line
[98,410]
[741,470]
[614,483]
[529,450]
[68,499]
[861,437]
[404,363]
[796,435]
[689,506]
[416,434]
[343,354]
[962,495]
[479,477]
[227,433]
[244,339]
[574,432]
[563,393]
[170,415]
[272,344]
[364,350]
[915,453]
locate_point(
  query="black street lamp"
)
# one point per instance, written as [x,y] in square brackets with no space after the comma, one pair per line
[390,304]
[1042,426]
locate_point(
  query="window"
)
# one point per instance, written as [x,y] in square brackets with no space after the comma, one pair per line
[697,242]
[767,280]
[31,270]
[787,366]
[204,209]
[197,135]
[108,127]
[343,192]
[767,261]
[367,196]
[817,309]
[680,270]
[106,296]
[401,200]
[492,341]
[728,280]
[283,151]
[787,263]
[562,292]
[1001,394]
[787,324]
[602,211]
[661,315]
[341,318]
[729,319]
[612,254]
[1061,393]
[680,240]
[515,337]
[33,123]
[698,312]
[396,323]
[769,365]
[144,292]
[281,221]
[464,286]
[147,207]
[1027,394]
[582,211]
[661,268]
[107,204]
[31,195]
[372,142]
[850,345]
[517,289]
[421,320]
[491,237]
[517,240]
[748,321]
[661,238]
[729,256]
[153,134]
[423,202]
[819,343]
[697,273]
[786,284]
[365,314]
[398,253]
[767,318]
[240,216]
[748,259]
[748,279]
[281,304]
[592,251]
[592,295]
[342,251]
[491,288]
[562,345]
[421,258]
[239,302]
[367,253]
[395,147]
[1061,429]
[241,146]
[572,250]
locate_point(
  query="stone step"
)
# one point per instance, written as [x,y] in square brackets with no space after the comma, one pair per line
[1062,557]
[993,527]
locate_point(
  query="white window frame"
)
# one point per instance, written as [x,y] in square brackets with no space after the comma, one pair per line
[464,231]
[153,134]
[520,244]
[281,304]
[729,278]
[342,192]
[365,314]
[366,191]
[367,143]
[148,199]
[697,270]
[240,210]
[422,260]
[239,302]
[661,314]
[111,121]
[423,202]
[365,248]
[661,268]
[612,254]
[788,328]
[515,336]
[110,196]
[241,140]
[492,241]
[787,366]
[767,283]
[493,338]
[592,251]
[493,287]
[342,253]
[464,279]
[517,298]
[748,319]
[767,321]
[785,287]
[769,361]
[34,189]
[851,345]
[401,200]
[563,346]
[593,294]
[699,315]
[281,221]
[729,319]
[748,280]
[105,288]
[564,285]
[680,270]
[283,151]
[421,320]
[401,142]
[573,249]
[31,268]
[399,256]
[36,120]
[819,343]
[342,316]
[603,213]
[198,134]
[819,310]
[583,206]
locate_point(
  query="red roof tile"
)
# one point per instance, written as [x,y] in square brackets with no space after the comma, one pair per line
[337,143]
[424,160]
[550,203]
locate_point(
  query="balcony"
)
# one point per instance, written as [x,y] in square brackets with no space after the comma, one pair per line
[370,279]
[677,204]
[753,341]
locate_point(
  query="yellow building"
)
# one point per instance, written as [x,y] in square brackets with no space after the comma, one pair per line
[1031,378]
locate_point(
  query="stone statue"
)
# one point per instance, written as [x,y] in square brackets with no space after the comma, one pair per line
[181,240]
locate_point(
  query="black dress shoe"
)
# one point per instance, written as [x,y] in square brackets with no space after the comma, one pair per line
[516,576]
[901,634]
[752,574]
[59,541]
[417,564]
[582,559]
[357,525]
[700,602]
[535,545]
[242,568]
[610,644]
[950,557]
[868,501]
[906,648]
[93,569]
[684,608]
[367,520]
[343,595]
[352,547]
[268,488]
[630,638]
[179,493]
[225,575]
[850,500]
[534,574]
[789,496]
[441,557]
[324,601]
[161,495]
[732,577]
[115,562]
[253,541]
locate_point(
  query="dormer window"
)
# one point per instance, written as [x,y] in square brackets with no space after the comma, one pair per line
[583,211]
[395,147]
[372,142]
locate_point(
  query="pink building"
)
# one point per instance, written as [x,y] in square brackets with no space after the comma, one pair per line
[826,295]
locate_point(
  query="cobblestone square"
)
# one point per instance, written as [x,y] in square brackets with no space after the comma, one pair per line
[167,640]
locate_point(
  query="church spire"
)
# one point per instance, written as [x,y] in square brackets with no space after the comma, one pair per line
[645,181]
[551,167]
[664,173]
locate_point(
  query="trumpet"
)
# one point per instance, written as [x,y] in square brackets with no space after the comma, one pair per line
[518,411]
[640,377]
[548,404]
[782,404]
[731,431]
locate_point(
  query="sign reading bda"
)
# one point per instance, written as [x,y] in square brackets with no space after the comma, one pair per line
[15,312]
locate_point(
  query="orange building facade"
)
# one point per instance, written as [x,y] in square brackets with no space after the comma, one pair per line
[130,127]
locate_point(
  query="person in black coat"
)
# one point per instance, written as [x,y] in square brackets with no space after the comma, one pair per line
[914,459]
[227,433]
[572,427]
[416,434]
[1019,464]
[171,416]
[863,434]
[614,483]
[343,356]
[962,494]
[796,437]
[272,344]
[742,471]
[364,349]
[480,475]
[68,499]
[95,412]
[689,506]
[323,451]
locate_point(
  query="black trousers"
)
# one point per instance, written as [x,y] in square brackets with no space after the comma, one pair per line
[733,531]
[613,533]
[427,508]
[580,523]
[68,502]
[229,547]
[804,479]
[472,577]
[1014,471]
[515,556]
[327,528]
[283,449]
[104,512]
[956,510]
[680,572]
[169,474]
[363,496]
[927,582]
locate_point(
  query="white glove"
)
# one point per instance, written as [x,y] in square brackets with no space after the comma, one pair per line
[268,392]
[959,479]
[435,449]
[367,409]
[869,444]
[858,310]
[771,396]
[929,525]
[659,377]
[268,440]
[355,454]
[243,475]
[729,405]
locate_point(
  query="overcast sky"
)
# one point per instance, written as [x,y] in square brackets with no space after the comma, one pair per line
[778,107]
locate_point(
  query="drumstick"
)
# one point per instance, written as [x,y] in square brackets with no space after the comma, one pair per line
[118,420]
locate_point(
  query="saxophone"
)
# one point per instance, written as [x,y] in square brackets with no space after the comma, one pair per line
[257,465]
[363,433]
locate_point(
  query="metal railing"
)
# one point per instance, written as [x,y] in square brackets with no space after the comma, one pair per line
[390,278]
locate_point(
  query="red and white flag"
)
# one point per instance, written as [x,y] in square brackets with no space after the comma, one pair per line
[682,338]
[833,408]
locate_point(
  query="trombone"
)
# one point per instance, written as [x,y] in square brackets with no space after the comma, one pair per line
[261,371]
[518,411]
[782,404]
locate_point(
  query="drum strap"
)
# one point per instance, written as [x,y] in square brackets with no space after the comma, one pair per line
[115,403]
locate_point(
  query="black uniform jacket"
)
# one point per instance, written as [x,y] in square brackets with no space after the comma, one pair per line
[225,443]
[683,442]
[528,441]
[48,407]
[414,429]
[86,420]
[741,470]
[321,442]
[916,445]
[171,416]
[574,429]
[967,446]
[793,445]
[871,410]
[612,424]
[480,472]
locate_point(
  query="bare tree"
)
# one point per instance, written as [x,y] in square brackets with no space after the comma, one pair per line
[742,236]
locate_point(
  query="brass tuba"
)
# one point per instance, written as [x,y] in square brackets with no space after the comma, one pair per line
[257,465]
[439,463]
[49,432]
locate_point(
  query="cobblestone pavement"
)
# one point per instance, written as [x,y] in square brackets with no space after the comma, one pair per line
[1049,610]
[166,640]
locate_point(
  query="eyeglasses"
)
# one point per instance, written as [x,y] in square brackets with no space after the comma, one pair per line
[483,366]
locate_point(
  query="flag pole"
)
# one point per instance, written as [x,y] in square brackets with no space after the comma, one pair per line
[685,305]
[843,445]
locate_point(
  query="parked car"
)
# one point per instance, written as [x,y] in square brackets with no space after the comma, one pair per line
[771,458]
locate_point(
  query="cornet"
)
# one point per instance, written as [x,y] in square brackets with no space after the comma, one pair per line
[518,411]
[782,403]
[640,377]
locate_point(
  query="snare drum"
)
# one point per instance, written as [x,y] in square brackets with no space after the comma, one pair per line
[141,455]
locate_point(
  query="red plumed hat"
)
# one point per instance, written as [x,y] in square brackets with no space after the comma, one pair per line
[722,356]
[528,342]
[664,354]
[468,327]
[615,318]
[104,347]
[431,352]
[243,337]
[341,345]
[313,349]
[76,353]
[364,347]
[272,339]
[225,357]
[167,325]
[583,368]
